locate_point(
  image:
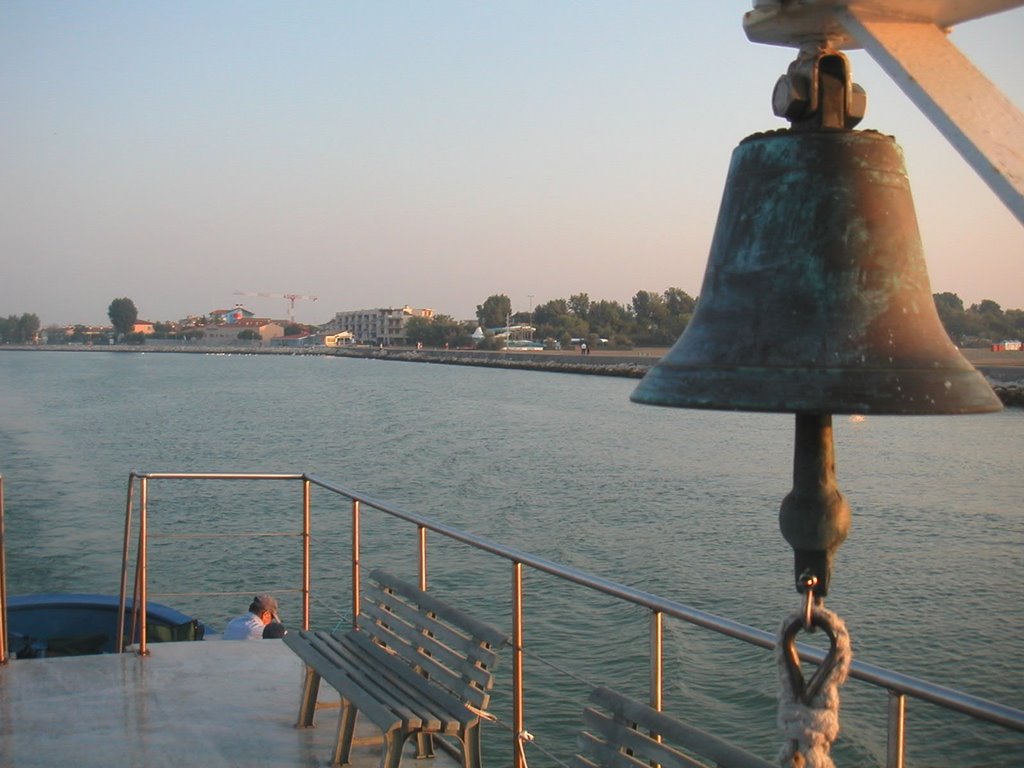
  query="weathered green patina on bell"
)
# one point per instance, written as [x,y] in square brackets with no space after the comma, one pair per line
[816,298]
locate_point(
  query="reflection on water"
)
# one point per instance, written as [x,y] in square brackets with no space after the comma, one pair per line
[678,502]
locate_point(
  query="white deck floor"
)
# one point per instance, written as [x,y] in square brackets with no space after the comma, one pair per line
[207,704]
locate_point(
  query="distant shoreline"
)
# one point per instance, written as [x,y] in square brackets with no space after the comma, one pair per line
[1004,370]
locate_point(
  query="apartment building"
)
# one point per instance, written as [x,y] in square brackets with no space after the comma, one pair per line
[384,326]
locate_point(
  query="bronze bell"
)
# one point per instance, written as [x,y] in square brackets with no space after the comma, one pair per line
[816,298]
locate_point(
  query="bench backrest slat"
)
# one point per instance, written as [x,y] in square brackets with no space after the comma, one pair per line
[431,637]
[679,740]
[599,753]
[438,661]
[414,652]
[480,630]
[451,636]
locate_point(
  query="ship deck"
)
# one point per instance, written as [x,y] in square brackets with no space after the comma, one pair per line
[210,703]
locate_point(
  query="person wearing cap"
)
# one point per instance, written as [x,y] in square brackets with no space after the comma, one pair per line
[262,611]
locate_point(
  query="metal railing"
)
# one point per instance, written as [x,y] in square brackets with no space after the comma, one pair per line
[898,686]
[3,580]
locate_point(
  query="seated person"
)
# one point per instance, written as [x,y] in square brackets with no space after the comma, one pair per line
[262,611]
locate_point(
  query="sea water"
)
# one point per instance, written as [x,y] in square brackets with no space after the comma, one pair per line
[678,502]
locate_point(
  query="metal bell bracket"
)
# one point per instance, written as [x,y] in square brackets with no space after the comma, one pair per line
[817,92]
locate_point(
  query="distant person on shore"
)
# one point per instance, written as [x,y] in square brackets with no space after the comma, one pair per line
[262,611]
[274,630]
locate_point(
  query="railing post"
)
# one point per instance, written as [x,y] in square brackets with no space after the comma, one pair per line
[122,600]
[656,659]
[355,563]
[518,718]
[140,601]
[3,580]
[422,552]
[896,735]
[305,552]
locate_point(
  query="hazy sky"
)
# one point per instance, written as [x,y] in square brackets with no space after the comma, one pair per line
[426,152]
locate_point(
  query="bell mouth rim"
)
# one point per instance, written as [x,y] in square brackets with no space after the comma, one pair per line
[902,391]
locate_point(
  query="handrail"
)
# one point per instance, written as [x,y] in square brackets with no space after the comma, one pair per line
[3,580]
[897,684]
[140,598]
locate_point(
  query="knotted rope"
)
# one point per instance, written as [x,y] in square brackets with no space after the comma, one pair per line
[808,713]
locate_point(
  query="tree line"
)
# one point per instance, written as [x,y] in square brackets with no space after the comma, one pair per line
[658,319]
[649,320]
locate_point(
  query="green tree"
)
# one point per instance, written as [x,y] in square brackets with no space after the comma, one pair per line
[123,314]
[438,331]
[579,305]
[651,314]
[495,311]
[951,314]
[248,334]
[610,320]
[20,330]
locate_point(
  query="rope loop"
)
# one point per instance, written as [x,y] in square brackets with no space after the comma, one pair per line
[808,712]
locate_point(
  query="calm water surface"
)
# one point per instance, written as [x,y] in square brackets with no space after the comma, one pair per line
[678,502]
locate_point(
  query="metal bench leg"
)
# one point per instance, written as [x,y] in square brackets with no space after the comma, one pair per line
[346,730]
[424,746]
[393,741]
[471,757]
[307,704]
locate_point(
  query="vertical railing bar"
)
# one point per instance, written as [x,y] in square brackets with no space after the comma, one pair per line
[3,580]
[122,599]
[896,736]
[656,659]
[140,602]
[305,552]
[355,563]
[518,718]
[422,551]
[657,667]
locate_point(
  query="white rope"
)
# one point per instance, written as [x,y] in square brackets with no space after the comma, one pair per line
[810,727]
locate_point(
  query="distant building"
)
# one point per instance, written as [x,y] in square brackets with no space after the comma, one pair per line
[144,327]
[382,326]
[231,316]
[228,334]
[339,339]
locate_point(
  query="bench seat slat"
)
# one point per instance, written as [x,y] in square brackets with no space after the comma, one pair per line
[432,695]
[413,664]
[337,677]
[380,685]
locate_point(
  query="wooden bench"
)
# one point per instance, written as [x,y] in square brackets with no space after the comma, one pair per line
[613,739]
[413,665]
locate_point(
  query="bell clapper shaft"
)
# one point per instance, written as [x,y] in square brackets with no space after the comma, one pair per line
[814,516]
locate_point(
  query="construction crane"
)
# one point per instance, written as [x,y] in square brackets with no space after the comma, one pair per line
[292,298]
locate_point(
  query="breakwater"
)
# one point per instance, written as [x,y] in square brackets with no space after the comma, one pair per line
[1005,374]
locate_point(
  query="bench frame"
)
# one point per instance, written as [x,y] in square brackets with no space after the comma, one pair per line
[412,665]
[614,740]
